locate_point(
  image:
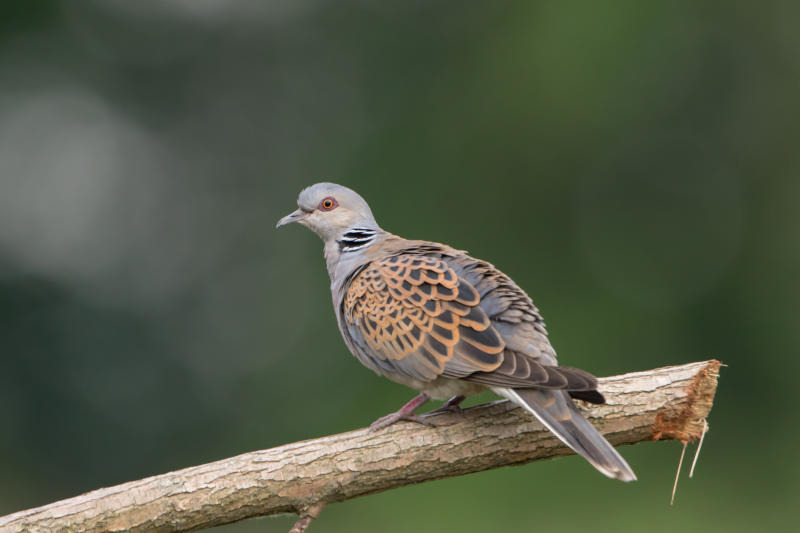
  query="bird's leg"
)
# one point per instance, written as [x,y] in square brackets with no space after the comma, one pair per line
[404,413]
[450,406]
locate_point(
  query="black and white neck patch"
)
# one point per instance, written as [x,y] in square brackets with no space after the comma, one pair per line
[356,239]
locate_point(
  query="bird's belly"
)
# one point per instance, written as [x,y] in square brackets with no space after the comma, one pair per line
[445,388]
[441,388]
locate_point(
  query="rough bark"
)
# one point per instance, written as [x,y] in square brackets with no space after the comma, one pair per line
[665,403]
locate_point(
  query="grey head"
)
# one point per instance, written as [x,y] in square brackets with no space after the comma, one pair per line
[341,218]
[330,211]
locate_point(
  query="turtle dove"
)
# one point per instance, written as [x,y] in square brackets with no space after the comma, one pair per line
[433,318]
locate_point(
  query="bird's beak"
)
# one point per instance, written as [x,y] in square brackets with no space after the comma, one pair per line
[292,217]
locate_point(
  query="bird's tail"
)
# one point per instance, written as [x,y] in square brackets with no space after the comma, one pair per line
[555,410]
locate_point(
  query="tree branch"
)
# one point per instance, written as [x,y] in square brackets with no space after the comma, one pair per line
[665,403]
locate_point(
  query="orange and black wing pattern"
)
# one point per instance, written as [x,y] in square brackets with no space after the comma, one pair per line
[413,314]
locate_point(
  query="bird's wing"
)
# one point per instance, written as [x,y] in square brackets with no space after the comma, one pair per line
[529,360]
[416,314]
[413,314]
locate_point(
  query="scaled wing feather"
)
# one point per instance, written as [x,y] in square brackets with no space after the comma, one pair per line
[416,314]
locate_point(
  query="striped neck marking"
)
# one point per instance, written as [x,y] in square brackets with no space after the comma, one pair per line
[356,239]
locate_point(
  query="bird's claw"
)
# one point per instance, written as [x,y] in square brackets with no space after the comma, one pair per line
[446,409]
[388,420]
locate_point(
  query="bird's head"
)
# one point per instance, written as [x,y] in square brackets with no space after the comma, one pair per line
[330,211]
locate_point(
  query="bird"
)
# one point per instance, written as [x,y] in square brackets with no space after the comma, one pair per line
[435,319]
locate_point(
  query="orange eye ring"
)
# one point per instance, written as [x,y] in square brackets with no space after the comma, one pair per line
[328,204]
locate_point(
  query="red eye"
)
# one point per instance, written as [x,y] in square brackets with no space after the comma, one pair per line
[328,204]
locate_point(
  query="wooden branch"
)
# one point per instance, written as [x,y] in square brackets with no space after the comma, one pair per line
[665,403]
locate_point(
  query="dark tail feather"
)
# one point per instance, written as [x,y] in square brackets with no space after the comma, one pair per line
[591,396]
[556,411]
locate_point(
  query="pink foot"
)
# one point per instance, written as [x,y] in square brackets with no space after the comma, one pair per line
[388,420]
[404,413]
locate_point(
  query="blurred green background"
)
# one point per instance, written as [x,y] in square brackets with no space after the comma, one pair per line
[632,165]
